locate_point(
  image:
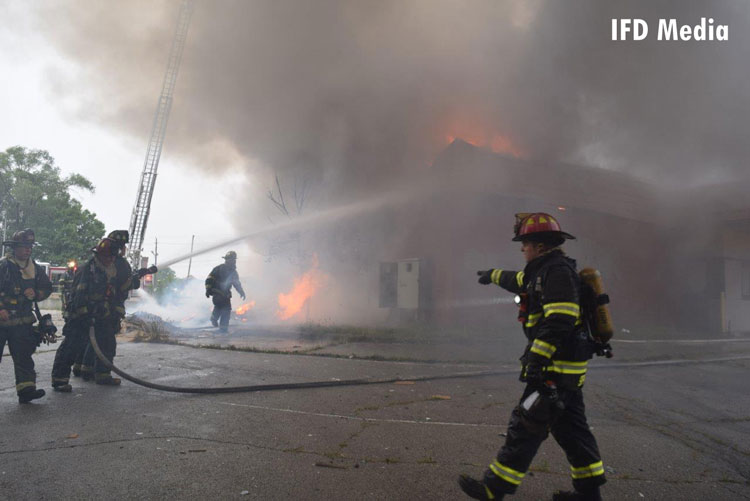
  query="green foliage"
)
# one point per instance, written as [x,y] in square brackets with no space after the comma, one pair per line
[34,195]
[163,281]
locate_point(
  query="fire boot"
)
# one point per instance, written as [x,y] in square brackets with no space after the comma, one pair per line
[476,489]
[27,396]
[62,387]
[87,373]
[591,495]
[77,370]
[108,380]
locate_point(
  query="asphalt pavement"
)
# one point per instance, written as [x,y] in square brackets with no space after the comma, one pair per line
[672,420]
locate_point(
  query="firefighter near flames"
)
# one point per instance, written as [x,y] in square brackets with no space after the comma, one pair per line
[219,285]
[565,322]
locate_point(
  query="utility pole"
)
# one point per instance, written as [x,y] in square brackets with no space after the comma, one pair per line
[190,262]
[156,251]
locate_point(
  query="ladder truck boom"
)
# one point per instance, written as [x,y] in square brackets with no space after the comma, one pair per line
[142,207]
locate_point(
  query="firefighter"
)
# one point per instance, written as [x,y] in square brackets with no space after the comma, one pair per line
[96,300]
[79,349]
[66,293]
[66,286]
[127,281]
[219,285]
[553,367]
[125,277]
[22,282]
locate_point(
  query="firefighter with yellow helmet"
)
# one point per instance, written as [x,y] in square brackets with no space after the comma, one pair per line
[553,367]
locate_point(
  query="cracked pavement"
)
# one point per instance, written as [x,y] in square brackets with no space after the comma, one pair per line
[672,430]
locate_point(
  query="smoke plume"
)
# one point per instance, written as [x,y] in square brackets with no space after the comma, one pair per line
[348,95]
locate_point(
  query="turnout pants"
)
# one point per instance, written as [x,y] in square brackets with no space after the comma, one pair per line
[222,311]
[22,345]
[70,351]
[569,428]
[105,337]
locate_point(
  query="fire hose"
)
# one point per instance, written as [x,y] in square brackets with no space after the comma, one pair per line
[283,386]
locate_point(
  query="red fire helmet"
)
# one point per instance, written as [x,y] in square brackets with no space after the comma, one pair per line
[535,225]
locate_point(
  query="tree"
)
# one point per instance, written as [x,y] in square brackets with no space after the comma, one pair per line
[34,195]
[163,281]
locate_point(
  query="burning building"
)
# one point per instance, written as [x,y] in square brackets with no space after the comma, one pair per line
[669,260]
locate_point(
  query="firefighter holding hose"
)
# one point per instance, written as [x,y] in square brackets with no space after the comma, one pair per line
[553,367]
[126,281]
[22,282]
[219,287]
[95,300]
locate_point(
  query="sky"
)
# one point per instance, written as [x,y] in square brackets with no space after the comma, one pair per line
[36,117]
[347,99]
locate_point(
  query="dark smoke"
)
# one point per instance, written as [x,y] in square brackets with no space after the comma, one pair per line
[350,94]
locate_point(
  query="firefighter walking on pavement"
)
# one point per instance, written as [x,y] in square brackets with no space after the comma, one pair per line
[22,283]
[553,367]
[219,287]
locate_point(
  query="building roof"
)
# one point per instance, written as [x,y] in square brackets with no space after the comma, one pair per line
[563,184]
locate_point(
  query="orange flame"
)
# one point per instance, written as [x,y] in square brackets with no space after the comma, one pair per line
[304,288]
[245,308]
[480,136]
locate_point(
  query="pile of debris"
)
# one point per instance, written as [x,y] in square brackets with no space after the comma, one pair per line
[148,328]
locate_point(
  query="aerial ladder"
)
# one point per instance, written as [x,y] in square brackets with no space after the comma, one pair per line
[139,218]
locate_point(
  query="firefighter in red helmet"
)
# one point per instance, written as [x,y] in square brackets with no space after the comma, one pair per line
[95,299]
[553,367]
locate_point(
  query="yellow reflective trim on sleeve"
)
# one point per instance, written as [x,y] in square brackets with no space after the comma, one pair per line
[542,348]
[571,309]
[519,278]
[533,319]
[506,473]
[591,470]
[567,367]
[495,276]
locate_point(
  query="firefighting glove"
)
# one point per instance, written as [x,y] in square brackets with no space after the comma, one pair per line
[485,277]
[534,375]
[208,294]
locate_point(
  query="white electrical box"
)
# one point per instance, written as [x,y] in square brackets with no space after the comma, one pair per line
[407,291]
